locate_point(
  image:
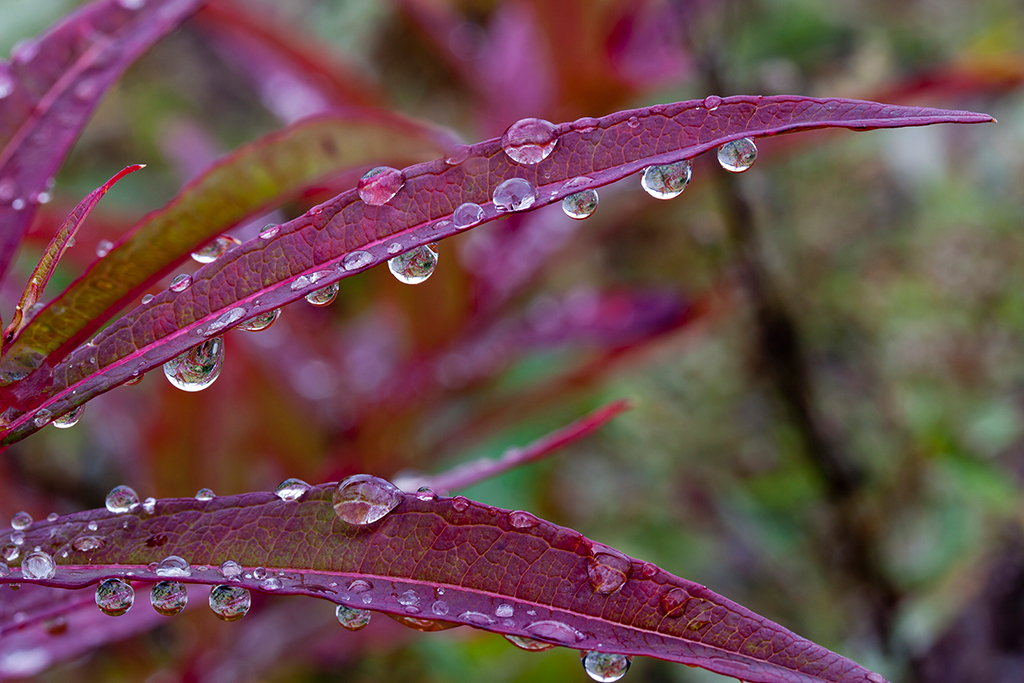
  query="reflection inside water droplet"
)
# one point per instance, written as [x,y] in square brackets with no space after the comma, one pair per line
[291,489]
[530,141]
[230,603]
[365,499]
[415,266]
[668,181]
[515,194]
[114,597]
[210,252]
[21,521]
[38,565]
[260,322]
[204,494]
[180,283]
[197,368]
[737,156]
[467,215]
[173,566]
[352,619]
[69,419]
[323,297]
[168,597]
[528,644]
[580,205]
[231,570]
[121,499]
[605,667]
[379,185]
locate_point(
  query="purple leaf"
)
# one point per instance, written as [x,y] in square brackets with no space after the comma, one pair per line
[51,87]
[345,236]
[421,556]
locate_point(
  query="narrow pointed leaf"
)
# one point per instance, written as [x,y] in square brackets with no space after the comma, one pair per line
[445,559]
[53,83]
[345,236]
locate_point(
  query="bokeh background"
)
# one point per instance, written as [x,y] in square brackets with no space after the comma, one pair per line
[825,353]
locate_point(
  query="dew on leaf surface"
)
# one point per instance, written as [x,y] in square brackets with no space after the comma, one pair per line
[409,599]
[21,521]
[149,505]
[180,283]
[260,322]
[415,266]
[93,525]
[291,489]
[668,181]
[269,231]
[230,570]
[379,185]
[212,251]
[10,552]
[359,586]
[673,602]
[477,618]
[423,625]
[270,584]
[440,608]
[351,618]
[86,543]
[173,566]
[712,102]
[515,194]
[224,321]
[230,603]
[38,565]
[530,141]
[324,296]
[426,493]
[580,205]
[168,597]
[556,631]
[737,156]
[114,597]
[18,537]
[146,298]
[69,419]
[608,571]
[504,611]
[356,259]
[121,499]
[42,417]
[259,573]
[460,503]
[52,517]
[605,667]
[197,368]
[522,520]
[365,499]
[204,494]
[466,215]
[528,644]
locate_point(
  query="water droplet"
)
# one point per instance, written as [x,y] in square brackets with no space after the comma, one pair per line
[173,566]
[426,493]
[230,570]
[181,282]
[585,124]
[84,544]
[504,610]
[114,597]
[269,231]
[146,298]
[352,619]
[259,573]
[460,503]
[365,499]
[580,205]
[270,584]
[413,267]
[260,322]
[633,122]
[18,537]
[212,251]
[668,181]
[323,297]
[103,248]
[69,419]
[515,194]
[528,644]
[10,552]
[477,618]
[356,260]
[121,499]
[409,599]
[712,102]
[359,586]
[379,185]
[530,141]
[556,631]
[467,215]
[291,489]
[737,156]
[456,155]
[168,597]
[136,378]
[52,517]
[522,520]
[149,505]
[423,625]
[608,571]
[673,602]
[230,603]
[92,525]
[440,608]
[605,667]
[42,417]
[204,494]
[198,367]
[648,570]
[223,321]
[38,565]
[21,521]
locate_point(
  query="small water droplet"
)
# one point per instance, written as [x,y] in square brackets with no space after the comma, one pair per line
[181,282]
[198,367]
[504,610]
[230,570]
[270,584]
[415,266]
[260,322]
[223,321]
[212,251]
[456,155]
[52,517]
[460,503]
[69,419]
[426,493]
[114,597]
[668,181]
[204,494]
[633,122]
[737,156]
[580,205]
[440,608]
[21,521]
[585,124]
[121,499]
[149,505]
[356,260]
[42,417]
[269,231]
[10,552]
[352,619]
[394,248]
[173,566]
[323,297]
[84,544]
[712,102]
[556,631]
[365,499]
[673,602]
[168,597]
[608,571]
[605,667]
[379,185]
[409,599]
[38,565]
[528,644]
[230,603]
[477,618]
[18,537]
[522,520]
[103,248]
[92,525]
[259,573]
[515,194]
[467,215]
[146,298]
[291,489]
[530,141]
[359,586]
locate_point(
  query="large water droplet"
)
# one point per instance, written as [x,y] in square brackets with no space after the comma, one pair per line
[379,185]
[38,565]
[673,602]
[69,419]
[114,597]
[522,520]
[168,597]
[528,644]
[413,267]
[230,603]
[173,566]
[359,586]
[10,552]
[356,260]
[122,499]
[230,570]
[224,320]
[42,417]
[205,494]
[668,181]
[210,252]
[180,283]
[712,102]
[352,619]
[467,215]
[270,584]
[21,521]
[323,297]
[260,322]
[605,667]
[291,489]
[556,631]
[737,156]
[608,571]
[515,194]
[365,499]
[530,141]
[580,205]
[198,367]
[18,537]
